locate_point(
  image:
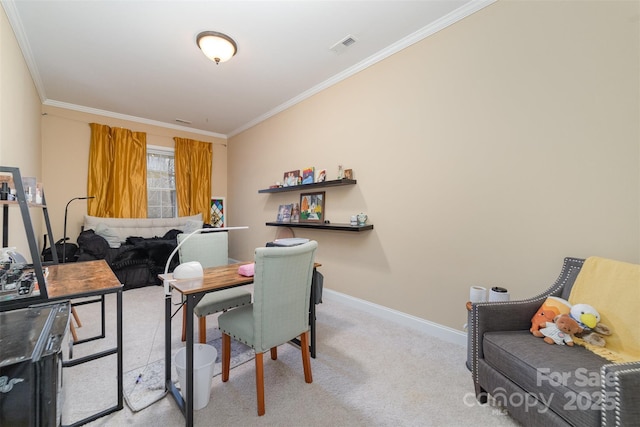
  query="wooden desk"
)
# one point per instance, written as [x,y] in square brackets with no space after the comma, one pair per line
[192,290]
[90,279]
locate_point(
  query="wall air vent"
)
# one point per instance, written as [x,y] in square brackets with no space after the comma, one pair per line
[343,44]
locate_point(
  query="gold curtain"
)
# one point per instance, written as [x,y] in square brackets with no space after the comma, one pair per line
[194,160]
[117,172]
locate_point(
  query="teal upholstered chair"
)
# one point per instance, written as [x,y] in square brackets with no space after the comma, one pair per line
[210,250]
[279,313]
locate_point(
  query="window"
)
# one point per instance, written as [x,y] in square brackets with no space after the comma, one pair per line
[161,183]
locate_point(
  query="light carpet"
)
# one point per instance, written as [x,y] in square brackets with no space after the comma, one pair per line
[369,371]
[144,385]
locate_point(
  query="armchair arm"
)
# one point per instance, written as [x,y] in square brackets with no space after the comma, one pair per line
[499,316]
[513,315]
[620,394]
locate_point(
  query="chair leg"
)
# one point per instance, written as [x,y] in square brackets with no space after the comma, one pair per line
[76,317]
[226,357]
[274,353]
[73,332]
[260,383]
[306,356]
[202,329]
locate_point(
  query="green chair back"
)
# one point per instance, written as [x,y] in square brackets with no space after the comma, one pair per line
[282,290]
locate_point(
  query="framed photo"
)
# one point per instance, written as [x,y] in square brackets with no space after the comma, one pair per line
[284,213]
[295,212]
[308,175]
[321,175]
[291,178]
[312,207]
[218,219]
[348,173]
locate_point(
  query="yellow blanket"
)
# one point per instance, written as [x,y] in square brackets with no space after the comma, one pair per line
[612,288]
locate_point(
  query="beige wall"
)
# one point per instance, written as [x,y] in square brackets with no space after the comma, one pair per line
[19,126]
[65,147]
[484,155]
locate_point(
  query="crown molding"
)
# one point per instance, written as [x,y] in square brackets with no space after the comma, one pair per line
[111,114]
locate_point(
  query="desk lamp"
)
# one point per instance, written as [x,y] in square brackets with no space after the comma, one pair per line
[191,269]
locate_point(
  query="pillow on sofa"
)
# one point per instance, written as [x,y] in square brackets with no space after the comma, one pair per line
[191,226]
[109,235]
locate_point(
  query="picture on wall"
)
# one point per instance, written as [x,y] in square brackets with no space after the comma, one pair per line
[291,178]
[217,212]
[312,207]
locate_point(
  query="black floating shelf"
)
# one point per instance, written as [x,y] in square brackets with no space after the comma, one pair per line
[322,226]
[315,185]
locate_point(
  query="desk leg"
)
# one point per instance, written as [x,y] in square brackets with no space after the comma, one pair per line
[120,358]
[188,387]
[312,326]
[167,342]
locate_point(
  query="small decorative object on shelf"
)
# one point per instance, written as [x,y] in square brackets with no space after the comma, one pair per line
[312,207]
[291,178]
[348,174]
[321,176]
[284,213]
[308,175]
[362,218]
[340,172]
[295,213]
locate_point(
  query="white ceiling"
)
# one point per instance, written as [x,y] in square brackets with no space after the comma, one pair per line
[139,60]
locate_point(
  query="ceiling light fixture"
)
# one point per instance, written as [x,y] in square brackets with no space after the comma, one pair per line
[216,46]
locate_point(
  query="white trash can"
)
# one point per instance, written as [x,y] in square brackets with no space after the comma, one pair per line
[204,358]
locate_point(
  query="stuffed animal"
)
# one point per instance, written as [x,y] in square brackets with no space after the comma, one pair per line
[552,307]
[561,330]
[589,318]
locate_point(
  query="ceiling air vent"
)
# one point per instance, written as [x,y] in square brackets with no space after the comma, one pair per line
[343,44]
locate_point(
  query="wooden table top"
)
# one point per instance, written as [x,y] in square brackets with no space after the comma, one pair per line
[78,279]
[215,278]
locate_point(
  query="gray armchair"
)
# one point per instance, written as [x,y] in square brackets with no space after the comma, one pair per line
[279,313]
[541,384]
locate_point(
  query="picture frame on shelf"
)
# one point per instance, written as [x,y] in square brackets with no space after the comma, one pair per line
[348,174]
[291,178]
[295,212]
[312,206]
[321,176]
[308,175]
[284,213]
[218,218]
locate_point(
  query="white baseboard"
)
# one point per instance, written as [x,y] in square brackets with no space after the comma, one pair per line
[434,329]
